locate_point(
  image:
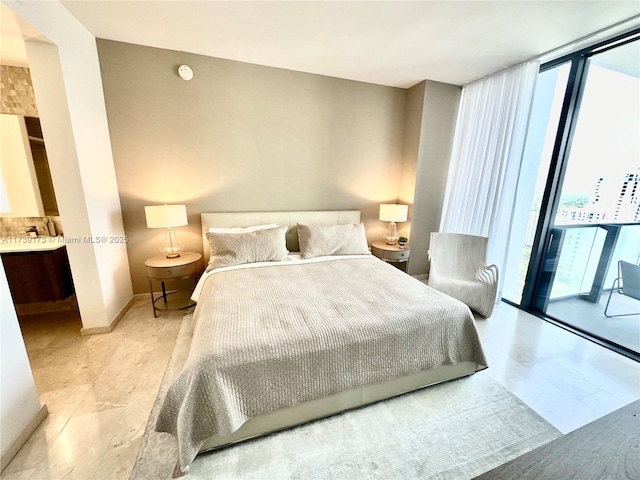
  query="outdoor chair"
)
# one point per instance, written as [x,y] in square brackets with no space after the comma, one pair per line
[627,284]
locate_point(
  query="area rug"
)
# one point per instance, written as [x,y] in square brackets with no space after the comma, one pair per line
[455,430]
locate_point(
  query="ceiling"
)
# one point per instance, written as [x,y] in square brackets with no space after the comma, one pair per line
[392,43]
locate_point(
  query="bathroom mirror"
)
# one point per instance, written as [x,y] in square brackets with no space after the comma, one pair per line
[41,165]
[27,188]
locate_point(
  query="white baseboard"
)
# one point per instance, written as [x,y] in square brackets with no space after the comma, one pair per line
[112,326]
[19,442]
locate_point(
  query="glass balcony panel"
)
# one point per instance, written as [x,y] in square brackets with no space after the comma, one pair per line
[627,248]
[587,264]
[578,245]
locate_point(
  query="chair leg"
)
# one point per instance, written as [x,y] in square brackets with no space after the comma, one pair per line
[613,287]
[609,299]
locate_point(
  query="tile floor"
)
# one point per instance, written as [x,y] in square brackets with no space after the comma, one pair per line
[568,380]
[100,389]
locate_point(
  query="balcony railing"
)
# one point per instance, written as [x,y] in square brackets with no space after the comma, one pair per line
[581,260]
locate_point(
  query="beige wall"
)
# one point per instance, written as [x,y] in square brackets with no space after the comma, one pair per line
[412,131]
[431,156]
[241,137]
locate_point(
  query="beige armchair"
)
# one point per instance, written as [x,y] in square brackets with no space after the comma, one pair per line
[458,269]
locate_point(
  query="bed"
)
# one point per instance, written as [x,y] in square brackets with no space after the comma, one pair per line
[279,343]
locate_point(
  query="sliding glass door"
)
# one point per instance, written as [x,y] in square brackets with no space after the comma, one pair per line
[578,208]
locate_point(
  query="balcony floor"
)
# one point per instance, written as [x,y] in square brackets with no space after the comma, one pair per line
[587,316]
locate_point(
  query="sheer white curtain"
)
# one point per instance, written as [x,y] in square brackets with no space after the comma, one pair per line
[485,161]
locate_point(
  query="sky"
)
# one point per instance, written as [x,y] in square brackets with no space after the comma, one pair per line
[607,138]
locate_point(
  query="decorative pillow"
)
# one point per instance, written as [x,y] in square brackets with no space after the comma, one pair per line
[320,240]
[253,228]
[229,249]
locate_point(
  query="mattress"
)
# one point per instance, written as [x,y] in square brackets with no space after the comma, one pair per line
[274,335]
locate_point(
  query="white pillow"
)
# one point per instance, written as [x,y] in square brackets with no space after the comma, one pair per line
[321,240]
[253,228]
[228,249]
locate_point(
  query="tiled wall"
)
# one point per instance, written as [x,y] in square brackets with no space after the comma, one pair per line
[16,92]
[15,226]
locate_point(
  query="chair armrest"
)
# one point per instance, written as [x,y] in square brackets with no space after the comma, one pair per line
[488,274]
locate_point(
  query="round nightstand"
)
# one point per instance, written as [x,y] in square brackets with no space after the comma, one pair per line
[163,269]
[393,254]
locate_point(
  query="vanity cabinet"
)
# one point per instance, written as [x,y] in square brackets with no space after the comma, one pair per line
[38,276]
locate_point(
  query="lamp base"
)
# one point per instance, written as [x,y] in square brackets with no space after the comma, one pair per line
[391,237]
[172,248]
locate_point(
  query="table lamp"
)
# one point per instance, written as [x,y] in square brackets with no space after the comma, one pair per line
[167,216]
[393,213]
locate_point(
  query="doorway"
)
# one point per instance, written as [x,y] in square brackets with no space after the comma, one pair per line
[32,247]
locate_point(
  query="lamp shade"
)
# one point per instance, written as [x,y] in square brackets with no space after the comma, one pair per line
[166,216]
[393,213]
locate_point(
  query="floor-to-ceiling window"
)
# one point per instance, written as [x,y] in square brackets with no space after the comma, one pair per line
[578,204]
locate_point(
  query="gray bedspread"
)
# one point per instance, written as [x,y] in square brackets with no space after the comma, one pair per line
[271,337]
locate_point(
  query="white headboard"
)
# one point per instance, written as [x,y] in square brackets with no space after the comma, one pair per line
[289,219]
